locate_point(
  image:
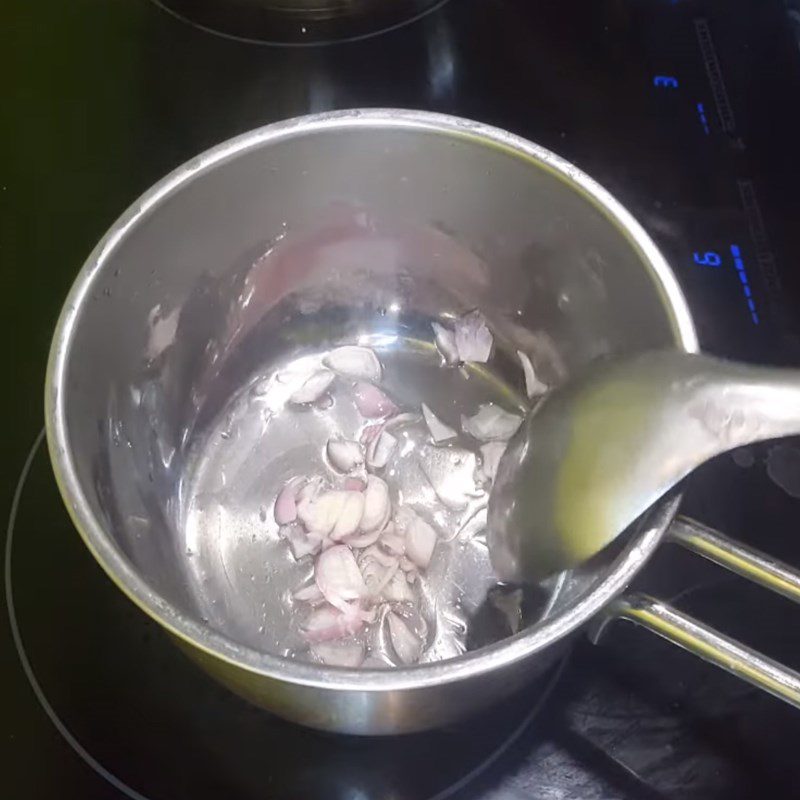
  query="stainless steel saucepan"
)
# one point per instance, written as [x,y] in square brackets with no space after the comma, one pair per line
[308,230]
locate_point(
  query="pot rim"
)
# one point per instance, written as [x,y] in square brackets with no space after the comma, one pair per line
[213,643]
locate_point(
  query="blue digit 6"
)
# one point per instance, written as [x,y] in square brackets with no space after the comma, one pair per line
[709,259]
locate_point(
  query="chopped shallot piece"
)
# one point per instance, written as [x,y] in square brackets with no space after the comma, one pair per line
[300,543]
[326,623]
[420,541]
[376,554]
[445,343]
[372,402]
[393,541]
[380,450]
[397,589]
[338,577]
[377,506]
[509,604]
[407,565]
[345,455]
[370,432]
[491,453]
[491,423]
[338,654]
[473,338]
[407,646]
[313,388]
[438,430]
[533,386]
[311,489]
[309,594]
[319,514]
[372,570]
[355,484]
[361,540]
[388,573]
[399,420]
[354,362]
[286,502]
[349,516]
[373,662]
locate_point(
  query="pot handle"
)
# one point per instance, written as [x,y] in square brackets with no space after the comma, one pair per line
[698,638]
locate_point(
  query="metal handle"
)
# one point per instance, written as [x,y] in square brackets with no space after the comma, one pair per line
[739,558]
[700,639]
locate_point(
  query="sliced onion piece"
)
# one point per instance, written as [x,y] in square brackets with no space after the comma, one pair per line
[349,516]
[393,541]
[397,589]
[372,570]
[491,453]
[378,555]
[319,514]
[326,623]
[438,430]
[310,490]
[355,484]
[491,424]
[285,510]
[300,543]
[314,387]
[445,343]
[400,420]
[338,577]
[361,540]
[473,338]
[309,594]
[408,566]
[345,455]
[354,362]
[372,402]
[338,654]
[370,432]
[420,541]
[509,604]
[407,646]
[377,505]
[380,450]
[533,386]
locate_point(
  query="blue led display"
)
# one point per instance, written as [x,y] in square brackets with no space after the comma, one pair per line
[701,112]
[748,294]
[708,259]
[665,82]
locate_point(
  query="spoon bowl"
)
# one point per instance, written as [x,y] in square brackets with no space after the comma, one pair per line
[595,454]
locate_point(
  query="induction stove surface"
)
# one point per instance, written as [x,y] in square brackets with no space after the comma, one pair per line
[687,111]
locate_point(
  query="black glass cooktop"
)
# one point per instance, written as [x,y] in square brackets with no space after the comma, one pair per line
[688,110]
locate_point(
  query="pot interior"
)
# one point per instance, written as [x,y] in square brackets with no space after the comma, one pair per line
[287,243]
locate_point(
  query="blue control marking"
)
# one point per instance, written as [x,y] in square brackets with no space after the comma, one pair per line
[665,82]
[708,259]
[701,112]
[748,294]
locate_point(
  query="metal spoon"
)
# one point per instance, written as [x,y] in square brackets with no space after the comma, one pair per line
[599,451]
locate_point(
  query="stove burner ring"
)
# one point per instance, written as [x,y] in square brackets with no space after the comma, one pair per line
[257,23]
[112,779]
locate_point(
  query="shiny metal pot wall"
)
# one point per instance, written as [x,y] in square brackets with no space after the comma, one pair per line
[175,308]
